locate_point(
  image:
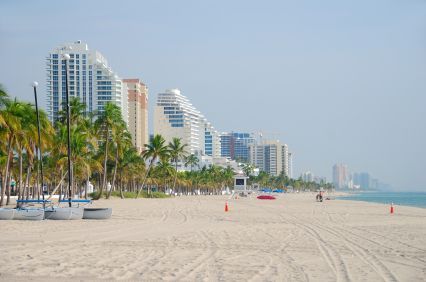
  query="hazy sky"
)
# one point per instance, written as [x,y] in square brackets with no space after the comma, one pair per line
[340,81]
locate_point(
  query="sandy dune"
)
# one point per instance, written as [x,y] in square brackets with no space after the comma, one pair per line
[191,238]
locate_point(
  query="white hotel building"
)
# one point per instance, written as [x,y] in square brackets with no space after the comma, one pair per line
[271,157]
[175,116]
[90,79]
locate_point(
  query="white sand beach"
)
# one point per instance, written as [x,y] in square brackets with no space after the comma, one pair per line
[191,238]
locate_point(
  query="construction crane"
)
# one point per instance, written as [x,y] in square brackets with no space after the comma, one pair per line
[270,135]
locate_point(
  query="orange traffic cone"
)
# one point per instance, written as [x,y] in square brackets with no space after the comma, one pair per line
[391,209]
[226,207]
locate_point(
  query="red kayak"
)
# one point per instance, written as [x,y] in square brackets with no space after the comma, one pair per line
[266,197]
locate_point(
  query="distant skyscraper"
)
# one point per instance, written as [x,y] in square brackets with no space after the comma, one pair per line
[235,145]
[308,176]
[364,180]
[227,145]
[175,116]
[90,79]
[138,112]
[285,160]
[290,165]
[257,156]
[340,176]
[271,157]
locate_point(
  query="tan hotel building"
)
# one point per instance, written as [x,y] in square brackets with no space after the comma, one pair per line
[138,112]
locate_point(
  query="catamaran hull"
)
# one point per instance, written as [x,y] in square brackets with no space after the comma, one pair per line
[6,214]
[97,213]
[29,214]
[64,213]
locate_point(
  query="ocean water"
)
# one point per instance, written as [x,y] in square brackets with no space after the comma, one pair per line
[414,199]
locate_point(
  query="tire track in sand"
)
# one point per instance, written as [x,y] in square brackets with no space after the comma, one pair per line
[208,251]
[331,256]
[362,253]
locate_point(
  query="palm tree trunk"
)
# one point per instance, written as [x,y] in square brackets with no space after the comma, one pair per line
[8,178]
[19,184]
[144,179]
[6,174]
[8,189]
[115,173]
[87,184]
[121,184]
[3,180]
[176,173]
[27,182]
[104,181]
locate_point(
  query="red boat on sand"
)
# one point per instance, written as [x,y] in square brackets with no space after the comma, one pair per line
[266,197]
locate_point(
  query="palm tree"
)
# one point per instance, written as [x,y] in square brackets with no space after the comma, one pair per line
[12,126]
[107,122]
[155,149]
[130,166]
[177,152]
[26,138]
[228,175]
[164,171]
[4,98]
[248,169]
[77,110]
[191,161]
[122,140]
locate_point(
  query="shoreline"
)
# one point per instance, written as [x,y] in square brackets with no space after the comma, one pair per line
[387,198]
[192,238]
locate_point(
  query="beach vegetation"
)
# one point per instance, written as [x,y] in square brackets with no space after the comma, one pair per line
[104,161]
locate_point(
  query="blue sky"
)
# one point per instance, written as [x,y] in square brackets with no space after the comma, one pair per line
[341,81]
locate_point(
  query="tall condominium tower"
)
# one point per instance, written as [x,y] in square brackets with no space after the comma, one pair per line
[362,179]
[285,160]
[226,145]
[175,116]
[138,112]
[340,176]
[290,165]
[308,176]
[90,79]
[235,145]
[211,140]
[271,157]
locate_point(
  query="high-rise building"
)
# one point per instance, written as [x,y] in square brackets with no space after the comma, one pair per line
[226,145]
[285,160]
[340,176]
[290,165]
[242,141]
[138,112]
[257,156]
[235,145]
[271,157]
[364,180]
[308,176]
[175,116]
[211,140]
[90,79]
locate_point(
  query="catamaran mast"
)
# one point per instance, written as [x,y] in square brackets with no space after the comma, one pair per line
[40,153]
[66,57]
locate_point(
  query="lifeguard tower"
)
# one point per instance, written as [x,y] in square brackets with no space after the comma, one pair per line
[240,185]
